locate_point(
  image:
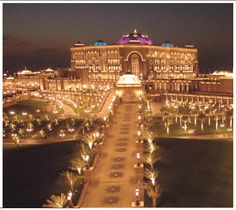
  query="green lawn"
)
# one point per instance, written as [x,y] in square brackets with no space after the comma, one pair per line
[31,173]
[195,173]
[30,106]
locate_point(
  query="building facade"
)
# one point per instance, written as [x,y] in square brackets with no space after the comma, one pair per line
[133,53]
[161,68]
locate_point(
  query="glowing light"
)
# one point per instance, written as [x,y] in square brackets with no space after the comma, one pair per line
[85,157]
[12,112]
[139,133]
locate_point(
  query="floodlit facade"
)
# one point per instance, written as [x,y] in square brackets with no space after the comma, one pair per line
[135,53]
[161,69]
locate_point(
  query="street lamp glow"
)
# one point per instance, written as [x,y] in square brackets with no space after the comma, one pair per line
[137,197]
[69,196]
[138,158]
[24,113]
[139,133]
[12,112]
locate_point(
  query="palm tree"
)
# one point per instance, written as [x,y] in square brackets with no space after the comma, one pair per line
[185,120]
[217,114]
[148,116]
[229,115]
[202,118]
[42,133]
[84,152]
[151,147]
[154,192]
[89,139]
[12,126]
[21,132]
[78,163]
[183,110]
[38,121]
[70,177]
[56,201]
[164,111]
[16,139]
[152,158]
[168,122]
[194,112]
[152,175]
[147,134]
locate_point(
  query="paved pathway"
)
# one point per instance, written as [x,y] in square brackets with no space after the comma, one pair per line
[114,184]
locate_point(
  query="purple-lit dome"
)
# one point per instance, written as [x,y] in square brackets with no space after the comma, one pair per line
[135,38]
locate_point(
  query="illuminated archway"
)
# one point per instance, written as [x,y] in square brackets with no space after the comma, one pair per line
[135,52]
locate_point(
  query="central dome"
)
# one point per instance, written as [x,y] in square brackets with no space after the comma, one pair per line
[135,38]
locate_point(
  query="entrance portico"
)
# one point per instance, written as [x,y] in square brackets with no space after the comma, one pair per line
[129,87]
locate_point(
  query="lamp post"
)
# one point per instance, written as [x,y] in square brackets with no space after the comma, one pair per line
[138,158]
[140,107]
[69,198]
[139,119]
[105,120]
[139,134]
[137,203]
[86,159]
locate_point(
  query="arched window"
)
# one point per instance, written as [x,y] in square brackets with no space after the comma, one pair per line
[135,63]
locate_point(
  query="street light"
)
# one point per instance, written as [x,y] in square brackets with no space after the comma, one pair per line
[24,113]
[69,198]
[138,158]
[137,203]
[12,112]
[86,159]
[139,134]
[139,118]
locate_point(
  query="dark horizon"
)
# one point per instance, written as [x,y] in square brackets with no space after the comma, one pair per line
[38,36]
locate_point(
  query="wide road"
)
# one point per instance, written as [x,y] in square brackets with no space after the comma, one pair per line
[114,184]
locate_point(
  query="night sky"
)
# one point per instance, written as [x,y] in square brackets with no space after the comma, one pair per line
[38,36]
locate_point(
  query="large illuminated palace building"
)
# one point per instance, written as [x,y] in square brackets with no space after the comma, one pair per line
[134,53]
[163,68]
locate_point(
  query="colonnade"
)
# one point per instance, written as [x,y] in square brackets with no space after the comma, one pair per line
[198,98]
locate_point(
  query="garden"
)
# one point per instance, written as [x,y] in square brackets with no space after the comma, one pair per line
[193,118]
[175,170]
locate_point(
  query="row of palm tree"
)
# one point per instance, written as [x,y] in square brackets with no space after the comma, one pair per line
[151,157]
[83,153]
[184,111]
